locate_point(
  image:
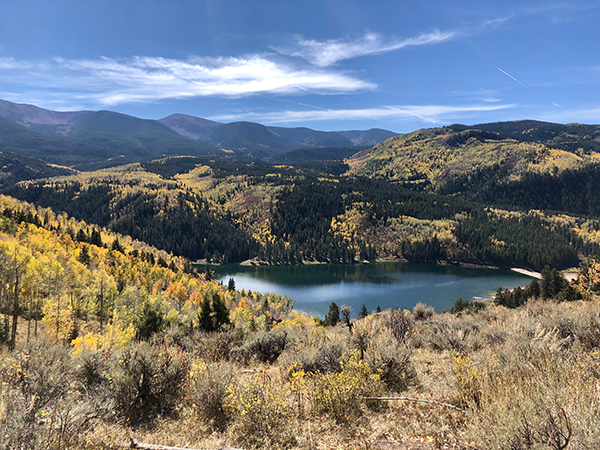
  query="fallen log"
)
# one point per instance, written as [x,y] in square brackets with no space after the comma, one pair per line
[141,445]
[408,399]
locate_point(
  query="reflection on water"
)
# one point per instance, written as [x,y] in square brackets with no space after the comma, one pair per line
[384,284]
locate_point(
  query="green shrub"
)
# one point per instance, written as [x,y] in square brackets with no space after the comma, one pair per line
[265,346]
[147,380]
[209,392]
[460,305]
[392,362]
[150,322]
[39,407]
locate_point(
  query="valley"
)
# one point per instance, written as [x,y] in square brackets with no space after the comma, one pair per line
[125,311]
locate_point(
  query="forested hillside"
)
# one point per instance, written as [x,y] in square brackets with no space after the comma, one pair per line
[572,137]
[96,289]
[511,165]
[222,210]
[17,168]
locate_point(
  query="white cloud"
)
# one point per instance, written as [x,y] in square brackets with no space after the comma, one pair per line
[12,63]
[329,52]
[427,113]
[562,115]
[495,22]
[140,79]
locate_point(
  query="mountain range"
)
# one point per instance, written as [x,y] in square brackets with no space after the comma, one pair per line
[91,139]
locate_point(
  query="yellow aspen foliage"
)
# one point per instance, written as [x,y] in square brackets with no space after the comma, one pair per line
[157,287]
[588,281]
[243,317]
[343,395]
[58,317]
[178,293]
[117,335]
[172,316]
[85,343]
[468,381]
[195,299]
[297,319]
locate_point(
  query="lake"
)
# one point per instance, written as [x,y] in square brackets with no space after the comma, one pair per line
[384,284]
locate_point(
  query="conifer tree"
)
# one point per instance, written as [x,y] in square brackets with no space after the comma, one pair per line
[95,238]
[206,315]
[84,255]
[333,316]
[221,312]
[364,312]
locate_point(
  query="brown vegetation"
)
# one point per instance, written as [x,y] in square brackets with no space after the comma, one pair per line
[494,379]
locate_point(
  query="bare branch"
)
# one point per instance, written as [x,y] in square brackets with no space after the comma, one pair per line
[140,445]
[407,399]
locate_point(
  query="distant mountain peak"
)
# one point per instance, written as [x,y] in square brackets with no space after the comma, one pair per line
[189,126]
[199,121]
[109,134]
[31,115]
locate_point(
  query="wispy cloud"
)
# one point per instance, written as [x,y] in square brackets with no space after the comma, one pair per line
[140,79]
[561,11]
[427,113]
[496,22]
[329,52]
[562,115]
[12,63]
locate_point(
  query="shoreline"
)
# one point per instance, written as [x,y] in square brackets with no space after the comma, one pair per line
[529,273]
[569,276]
[258,263]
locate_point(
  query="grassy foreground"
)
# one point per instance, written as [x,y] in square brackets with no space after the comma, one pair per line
[525,378]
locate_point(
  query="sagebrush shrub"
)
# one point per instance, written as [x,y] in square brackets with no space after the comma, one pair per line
[391,361]
[423,312]
[400,323]
[147,380]
[264,346]
[39,404]
[212,346]
[209,392]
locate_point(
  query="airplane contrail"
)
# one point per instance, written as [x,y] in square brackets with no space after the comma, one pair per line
[295,103]
[509,75]
[558,106]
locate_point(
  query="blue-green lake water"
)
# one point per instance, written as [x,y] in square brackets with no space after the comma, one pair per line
[384,284]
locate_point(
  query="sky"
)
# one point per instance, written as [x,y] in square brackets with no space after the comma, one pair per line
[327,65]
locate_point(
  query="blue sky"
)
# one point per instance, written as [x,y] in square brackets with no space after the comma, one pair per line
[327,65]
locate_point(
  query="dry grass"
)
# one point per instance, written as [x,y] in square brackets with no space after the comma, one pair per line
[529,379]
